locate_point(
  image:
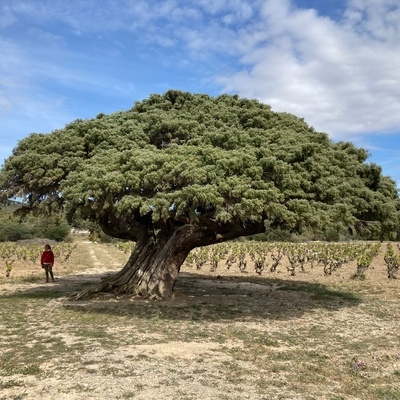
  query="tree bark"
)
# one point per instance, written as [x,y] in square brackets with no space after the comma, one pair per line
[153,267]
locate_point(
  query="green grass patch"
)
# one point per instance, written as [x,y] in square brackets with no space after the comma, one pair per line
[243,337]
[321,292]
[387,394]
[10,384]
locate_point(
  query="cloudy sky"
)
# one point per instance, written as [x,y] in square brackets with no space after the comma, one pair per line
[335,63]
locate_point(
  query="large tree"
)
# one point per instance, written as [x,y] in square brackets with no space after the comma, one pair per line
[182,170]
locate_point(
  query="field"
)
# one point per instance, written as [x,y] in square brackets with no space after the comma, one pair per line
[226,334]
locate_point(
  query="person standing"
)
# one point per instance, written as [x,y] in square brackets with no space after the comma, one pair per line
[47,261]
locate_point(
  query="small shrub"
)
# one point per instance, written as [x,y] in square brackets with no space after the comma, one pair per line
[58,232]
[13,231]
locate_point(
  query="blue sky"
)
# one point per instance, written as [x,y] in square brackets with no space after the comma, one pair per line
[335,63]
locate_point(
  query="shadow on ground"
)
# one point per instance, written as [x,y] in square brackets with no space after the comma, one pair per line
[206,298]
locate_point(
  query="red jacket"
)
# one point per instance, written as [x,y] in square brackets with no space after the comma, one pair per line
[47,257]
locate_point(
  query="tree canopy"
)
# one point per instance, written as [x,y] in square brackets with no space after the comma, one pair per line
[182,170]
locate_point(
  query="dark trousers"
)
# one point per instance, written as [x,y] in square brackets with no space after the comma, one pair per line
[48,269]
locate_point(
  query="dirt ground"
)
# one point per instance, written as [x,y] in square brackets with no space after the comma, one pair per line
[224,335]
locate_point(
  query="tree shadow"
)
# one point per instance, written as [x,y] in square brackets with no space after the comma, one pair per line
[207,298]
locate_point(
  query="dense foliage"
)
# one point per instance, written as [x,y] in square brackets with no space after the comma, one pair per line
[192,155]
[202,170]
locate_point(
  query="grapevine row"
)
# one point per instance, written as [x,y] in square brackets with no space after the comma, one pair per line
[298,256]
[11,252]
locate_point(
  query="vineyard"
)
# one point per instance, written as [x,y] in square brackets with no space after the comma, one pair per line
[249,320]
[14,253]
[258,257]
[249,256]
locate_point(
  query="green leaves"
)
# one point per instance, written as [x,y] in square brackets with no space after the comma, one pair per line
[201,160]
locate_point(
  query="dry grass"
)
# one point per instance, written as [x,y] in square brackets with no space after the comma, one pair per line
[225,335]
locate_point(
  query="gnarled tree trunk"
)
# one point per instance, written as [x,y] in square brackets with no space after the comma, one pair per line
[151,271]
[154,265]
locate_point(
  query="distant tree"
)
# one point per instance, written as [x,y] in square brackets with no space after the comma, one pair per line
[14,227]
[182,170]
[12,231]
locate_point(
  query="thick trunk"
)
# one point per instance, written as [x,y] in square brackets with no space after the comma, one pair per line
[151,270]
[153,266]
[151,273]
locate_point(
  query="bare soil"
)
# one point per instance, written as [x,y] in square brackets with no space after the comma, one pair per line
[224,335]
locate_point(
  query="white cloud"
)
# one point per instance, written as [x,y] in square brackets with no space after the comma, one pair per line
[378,19]
[343,77]
[7,17]
[30,95]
